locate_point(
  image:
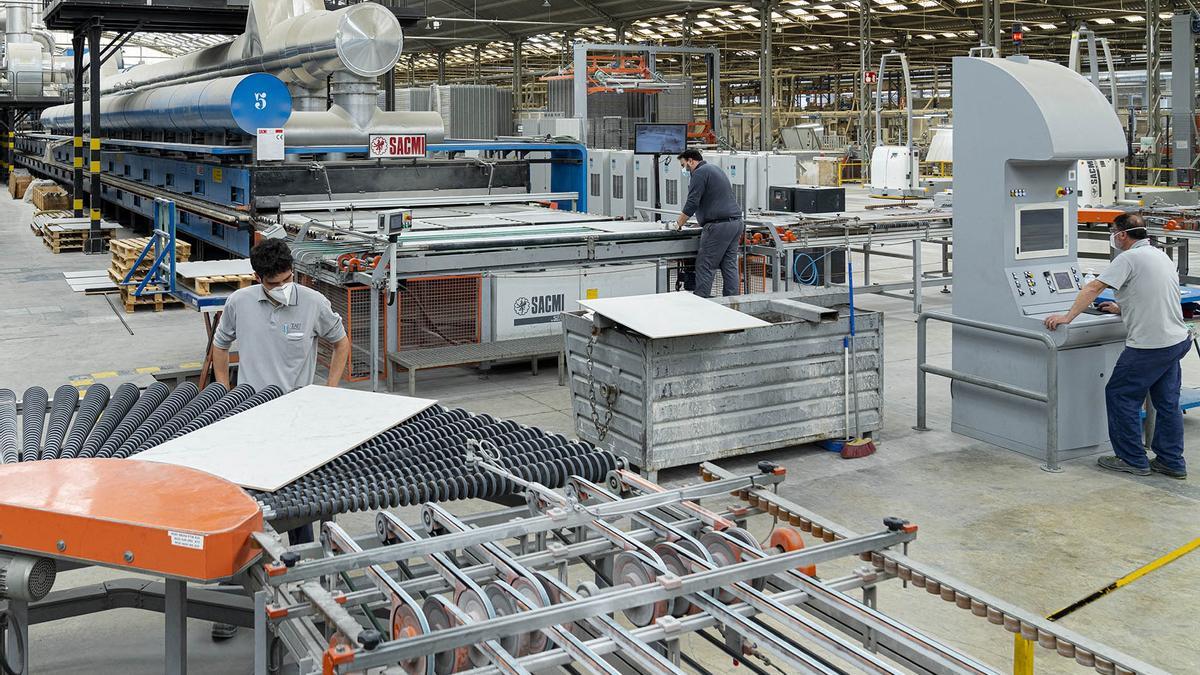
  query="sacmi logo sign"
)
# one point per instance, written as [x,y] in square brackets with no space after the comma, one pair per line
[538,308]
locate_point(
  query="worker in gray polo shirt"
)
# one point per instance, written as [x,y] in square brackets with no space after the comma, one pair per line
[711,199]
[276,324]
[1147,291]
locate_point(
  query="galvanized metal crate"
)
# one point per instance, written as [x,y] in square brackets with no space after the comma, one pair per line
[684,400]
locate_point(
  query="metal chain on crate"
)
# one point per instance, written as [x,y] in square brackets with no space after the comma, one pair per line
[610,393]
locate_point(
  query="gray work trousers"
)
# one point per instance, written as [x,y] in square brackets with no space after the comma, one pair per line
[719,242]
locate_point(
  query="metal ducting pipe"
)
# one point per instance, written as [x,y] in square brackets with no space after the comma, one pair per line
[364,39]
[244,103]
[336,127]
[26,578]
[17,23]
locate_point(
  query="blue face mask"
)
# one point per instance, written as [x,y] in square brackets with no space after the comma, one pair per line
[686,172]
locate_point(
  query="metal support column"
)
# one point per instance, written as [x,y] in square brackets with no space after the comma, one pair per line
[478,64]
[765,76]
[996,29]
[95,242]
[389,90]
[985,37]
[441,66]
[175,616]
[516,75]
[77,82]
[10,133]
[864,88]
[1183,98]
[1153,89]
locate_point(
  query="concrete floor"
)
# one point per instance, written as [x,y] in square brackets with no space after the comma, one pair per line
[989,516]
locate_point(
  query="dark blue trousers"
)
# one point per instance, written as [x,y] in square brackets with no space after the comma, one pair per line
[1139,372]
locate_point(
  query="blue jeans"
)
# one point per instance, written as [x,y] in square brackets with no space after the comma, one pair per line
[1138,372]
[719,245]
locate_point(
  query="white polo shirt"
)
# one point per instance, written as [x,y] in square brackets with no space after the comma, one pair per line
[1146,284]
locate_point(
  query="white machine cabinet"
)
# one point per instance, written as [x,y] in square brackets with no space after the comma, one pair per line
[621,192]
[672,185]
[599,182]
[1021,127]
[529,304]
[645,188]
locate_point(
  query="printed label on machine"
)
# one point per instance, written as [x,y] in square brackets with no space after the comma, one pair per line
[397,145]
[186,539]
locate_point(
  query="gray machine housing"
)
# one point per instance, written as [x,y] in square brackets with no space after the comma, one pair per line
[1021,126]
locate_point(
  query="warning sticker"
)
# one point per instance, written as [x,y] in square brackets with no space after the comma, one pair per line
[187,540]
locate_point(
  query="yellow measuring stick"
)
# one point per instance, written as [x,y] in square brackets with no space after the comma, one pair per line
[1023,649]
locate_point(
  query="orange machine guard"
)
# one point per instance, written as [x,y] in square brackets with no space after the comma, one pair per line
[125,513]
[1098,216]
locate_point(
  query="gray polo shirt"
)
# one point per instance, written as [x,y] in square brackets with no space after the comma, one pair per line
[277,344]
[710,195]
[1146,284]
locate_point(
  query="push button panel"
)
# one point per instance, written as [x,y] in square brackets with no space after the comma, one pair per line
[1038,285]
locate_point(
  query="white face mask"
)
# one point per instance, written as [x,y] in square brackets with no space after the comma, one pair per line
[283,293]
[1112,241]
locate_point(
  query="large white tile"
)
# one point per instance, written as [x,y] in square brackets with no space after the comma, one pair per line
[273,444]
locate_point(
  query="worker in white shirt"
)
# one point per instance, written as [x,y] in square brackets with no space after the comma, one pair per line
[1146,286]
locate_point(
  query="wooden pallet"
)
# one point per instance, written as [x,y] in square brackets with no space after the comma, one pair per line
[203,285]
[158,300]
[128,250]
[37,229]
[123,266]
[59,244]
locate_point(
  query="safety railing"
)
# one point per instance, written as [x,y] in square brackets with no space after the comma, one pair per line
[842,178]
[1049,397]
[1139,176]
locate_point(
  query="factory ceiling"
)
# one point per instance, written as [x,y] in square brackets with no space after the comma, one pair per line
[810,37]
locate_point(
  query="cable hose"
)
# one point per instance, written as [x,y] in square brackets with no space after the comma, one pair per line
[8,623]
[228,402]
[811,276]
[66,398]
[33,421]
[122,401]
[211,394]
[9,445]
[149,401]
[179,397]
[89,410]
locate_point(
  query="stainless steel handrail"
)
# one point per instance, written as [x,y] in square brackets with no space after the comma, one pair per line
[1049,397]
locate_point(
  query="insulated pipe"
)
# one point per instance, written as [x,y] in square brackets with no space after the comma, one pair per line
[123,400]
[89,410]
[66,398]
[179,398]
[243,104]
[154,395]
[363,38]
[9,445]
[33,419]
[211,394]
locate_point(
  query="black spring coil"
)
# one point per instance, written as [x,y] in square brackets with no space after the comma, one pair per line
[424,459]
[123,400]
[151,398]
[228,402]
[33,420]
[9,444]
[89,410]
[269,393]
[66,398]
[170,407]
[211,394]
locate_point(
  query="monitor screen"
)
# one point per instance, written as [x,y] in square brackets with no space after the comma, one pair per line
[659,139]
[1063,281]
[1041,229]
